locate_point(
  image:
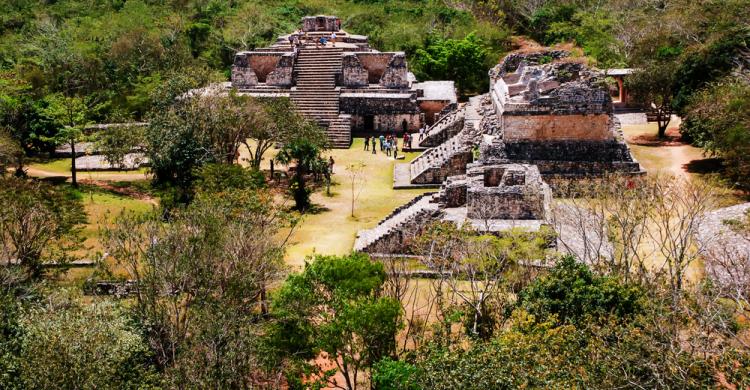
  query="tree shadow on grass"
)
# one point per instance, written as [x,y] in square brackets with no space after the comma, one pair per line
[705,166]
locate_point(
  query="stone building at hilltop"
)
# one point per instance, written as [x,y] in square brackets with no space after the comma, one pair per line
[542,109]
[345,86]
[498,157]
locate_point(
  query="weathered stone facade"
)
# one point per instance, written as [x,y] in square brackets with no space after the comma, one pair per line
[488,198]
[347,79]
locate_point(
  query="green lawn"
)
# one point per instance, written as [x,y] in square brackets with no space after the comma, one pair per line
[333,230]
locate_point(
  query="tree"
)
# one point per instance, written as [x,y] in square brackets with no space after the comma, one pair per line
[202,277]
[280,124]
[305,155]
[71,113]
[356,174]
[197,130]
[475,268]
[116,142]
[9,151]
[334,306]
[38,224]
[718,120]
[572,294]
[653,85]
[461,60]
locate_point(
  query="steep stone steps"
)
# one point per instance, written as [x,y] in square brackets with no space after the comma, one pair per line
[316,95]
[403,220]
[448,159]
[445,128]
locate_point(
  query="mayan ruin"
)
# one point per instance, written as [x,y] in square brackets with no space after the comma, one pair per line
[546,117]
[374,194]
[344,85]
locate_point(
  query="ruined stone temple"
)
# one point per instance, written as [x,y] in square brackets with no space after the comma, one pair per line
[347,86]
[498,157]
[489,197]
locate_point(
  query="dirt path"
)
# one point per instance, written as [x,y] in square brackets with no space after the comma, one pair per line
[670,156]
[108,176]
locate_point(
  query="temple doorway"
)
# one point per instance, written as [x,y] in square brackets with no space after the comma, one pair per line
[369,124]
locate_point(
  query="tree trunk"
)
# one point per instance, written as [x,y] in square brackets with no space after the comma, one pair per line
[73,163]
[20,172]
[662,120]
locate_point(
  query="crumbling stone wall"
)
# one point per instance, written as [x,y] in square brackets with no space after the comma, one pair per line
[396,74]
[456,165]
[353,73]
[272,68]
[557,127]
[377,104]
[242,74]
[375,64]
[281,76]
[320,23]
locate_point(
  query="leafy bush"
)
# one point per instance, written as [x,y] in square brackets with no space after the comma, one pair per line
[572,294]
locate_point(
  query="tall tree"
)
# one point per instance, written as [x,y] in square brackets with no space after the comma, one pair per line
[335,307]
[202,278]
[305,155]
[72,114]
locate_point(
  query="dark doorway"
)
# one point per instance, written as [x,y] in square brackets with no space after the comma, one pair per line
[404,126]
[369,123]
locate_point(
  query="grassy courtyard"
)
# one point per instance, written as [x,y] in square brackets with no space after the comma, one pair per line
[332,230]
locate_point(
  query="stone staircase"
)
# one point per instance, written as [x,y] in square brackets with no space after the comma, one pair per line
[316,95]
[405,220]
[445,128]
[444,160]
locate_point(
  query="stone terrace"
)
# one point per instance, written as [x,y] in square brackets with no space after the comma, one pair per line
[345,86]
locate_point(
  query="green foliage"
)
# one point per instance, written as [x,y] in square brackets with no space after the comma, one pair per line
[335,306]
[68,345]
[118,141]
[463,61]
[572,294]
[593,31]
[215,178]
[390,374]
[705,64]
[195,131]
[202,277]
[718,119]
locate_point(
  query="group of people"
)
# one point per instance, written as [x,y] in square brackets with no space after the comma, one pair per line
[388,144]
[298,38]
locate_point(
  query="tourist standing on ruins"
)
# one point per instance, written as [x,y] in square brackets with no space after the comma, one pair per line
[373,144]
[395,149]
[421,133]
[388,147]
[406,138]
[367,142]
[330,165]
[382,142]
[333,39]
